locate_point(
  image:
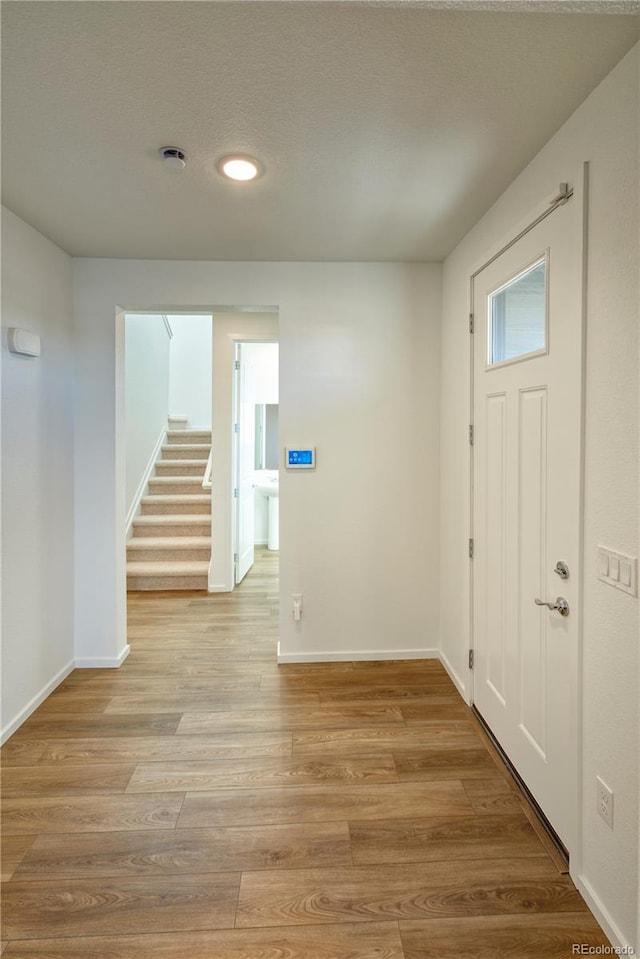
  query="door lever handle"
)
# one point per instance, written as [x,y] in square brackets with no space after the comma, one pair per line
[561,605]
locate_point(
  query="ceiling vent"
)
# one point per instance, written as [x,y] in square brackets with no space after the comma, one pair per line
[174,157]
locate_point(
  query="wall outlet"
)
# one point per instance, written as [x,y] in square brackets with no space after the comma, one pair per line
[605,801]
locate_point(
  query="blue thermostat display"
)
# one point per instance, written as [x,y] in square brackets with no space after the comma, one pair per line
[300,457]
[304,458]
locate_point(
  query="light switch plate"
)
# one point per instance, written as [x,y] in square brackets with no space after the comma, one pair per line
[626,573]
[618,570]
[603,564]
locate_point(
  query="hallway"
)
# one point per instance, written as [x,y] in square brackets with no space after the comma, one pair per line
[203,803]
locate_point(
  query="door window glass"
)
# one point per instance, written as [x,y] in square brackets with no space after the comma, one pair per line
[518,315]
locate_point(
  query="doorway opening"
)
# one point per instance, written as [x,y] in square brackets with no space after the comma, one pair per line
[168,404]
[256,495]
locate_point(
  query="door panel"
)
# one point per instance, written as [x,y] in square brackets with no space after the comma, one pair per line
[532,475]
[527,478]
[245,464]
[496,524]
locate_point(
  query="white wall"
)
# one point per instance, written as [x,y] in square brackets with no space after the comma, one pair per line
[37,473]
[190,369]
[146,394]
[359,355]
[604,131]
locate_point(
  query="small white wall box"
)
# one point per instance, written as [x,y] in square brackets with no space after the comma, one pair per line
[24,342]
[300,457]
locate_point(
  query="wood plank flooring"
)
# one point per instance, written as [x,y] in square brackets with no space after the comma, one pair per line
[204,803]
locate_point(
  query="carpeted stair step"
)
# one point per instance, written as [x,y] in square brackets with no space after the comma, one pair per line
[174,485]
[192,574]
[184,437]
[178,422]
[186,451]
[181,468]
[171,544]
[171,525]
[168,549]
[191,503]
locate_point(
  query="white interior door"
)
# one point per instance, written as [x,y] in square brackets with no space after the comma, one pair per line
[527,505]
[245,465]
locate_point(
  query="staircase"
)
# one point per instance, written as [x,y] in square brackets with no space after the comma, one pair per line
[171,543]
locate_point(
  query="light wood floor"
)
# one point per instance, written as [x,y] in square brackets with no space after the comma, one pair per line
[203,803]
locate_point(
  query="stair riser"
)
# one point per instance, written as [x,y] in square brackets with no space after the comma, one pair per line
[180,437]
[179,529]
[173,469]
[174,488]
[173,509]
[167,555]
[166,582]
[177,452]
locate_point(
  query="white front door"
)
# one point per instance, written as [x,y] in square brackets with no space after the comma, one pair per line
[245,425]
[527,360]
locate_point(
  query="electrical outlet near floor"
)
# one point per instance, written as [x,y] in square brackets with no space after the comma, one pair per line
[605,802]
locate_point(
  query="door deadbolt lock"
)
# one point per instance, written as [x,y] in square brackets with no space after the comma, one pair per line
[561,605]
[562,569]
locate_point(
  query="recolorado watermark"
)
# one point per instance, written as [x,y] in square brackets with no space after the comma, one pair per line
[583,949]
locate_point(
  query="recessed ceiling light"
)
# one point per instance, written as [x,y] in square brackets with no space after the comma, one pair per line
[239,167]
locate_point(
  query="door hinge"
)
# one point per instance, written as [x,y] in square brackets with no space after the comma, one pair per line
[236,427]
[236,493]
[236,365]
[470,549]
[470,659]
[236,558]
[471,324]
[470,434]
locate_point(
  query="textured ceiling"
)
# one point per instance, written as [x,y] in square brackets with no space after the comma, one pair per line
[385,130]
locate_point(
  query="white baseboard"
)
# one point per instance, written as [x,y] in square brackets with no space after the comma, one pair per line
[601,913]
[142,485]
[260,542]
[37,700]
[103,662]
[455,678]
[353,656]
